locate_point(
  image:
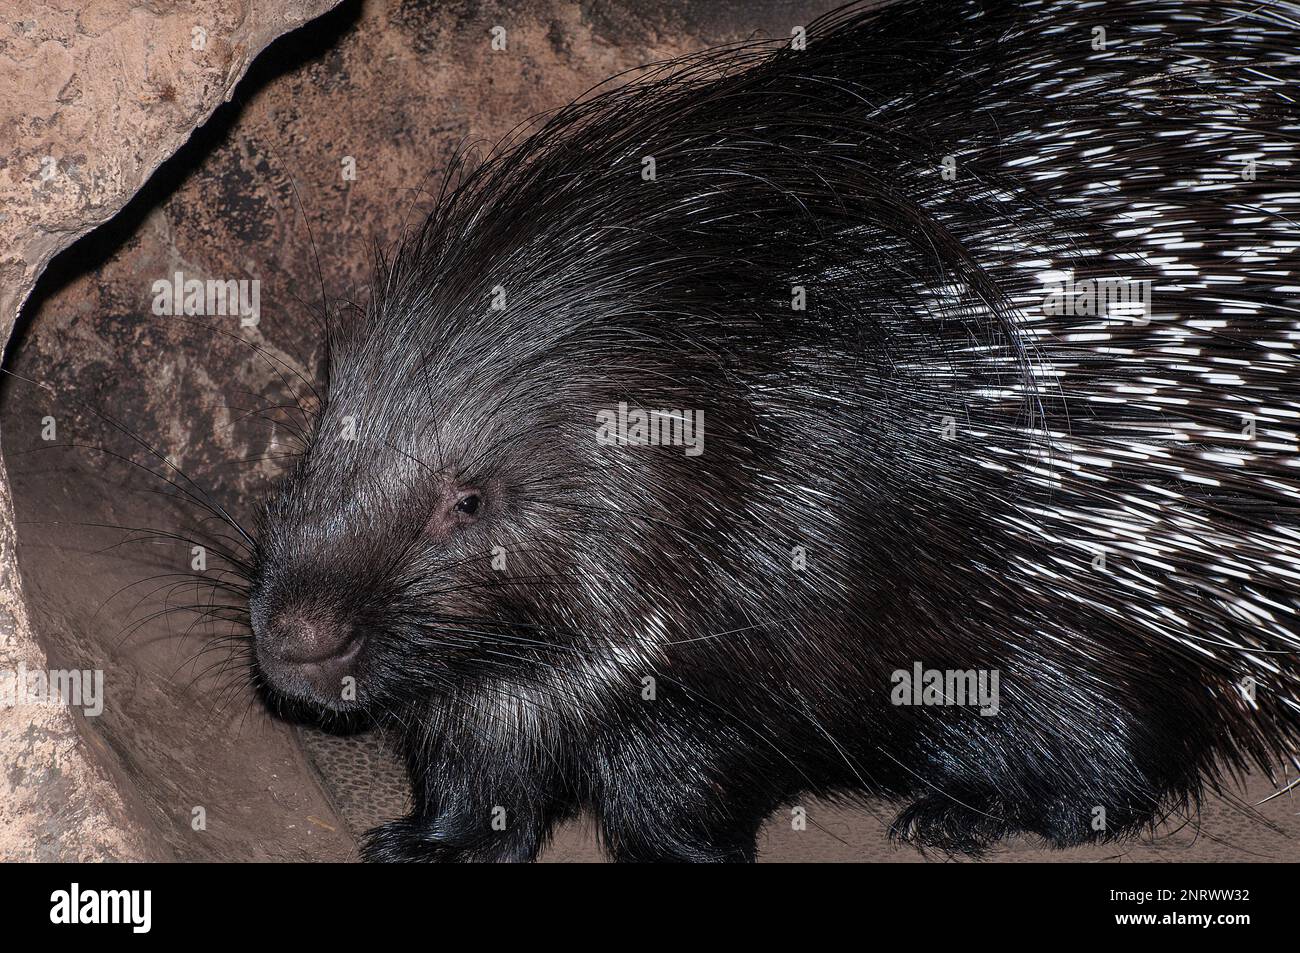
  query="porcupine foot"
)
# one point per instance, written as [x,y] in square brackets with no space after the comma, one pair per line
[971,824]
[452,838]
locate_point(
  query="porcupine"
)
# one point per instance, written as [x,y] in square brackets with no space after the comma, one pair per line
[838,254]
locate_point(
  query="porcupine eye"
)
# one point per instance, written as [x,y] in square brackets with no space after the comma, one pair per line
[451,514]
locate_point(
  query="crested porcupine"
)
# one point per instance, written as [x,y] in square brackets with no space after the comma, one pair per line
[974,324]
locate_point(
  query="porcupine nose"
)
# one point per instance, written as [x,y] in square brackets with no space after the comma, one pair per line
[307,653]
[298,638]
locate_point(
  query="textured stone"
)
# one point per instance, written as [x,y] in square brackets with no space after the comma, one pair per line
[93,98]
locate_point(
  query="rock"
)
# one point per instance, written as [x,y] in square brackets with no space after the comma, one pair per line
[93,98]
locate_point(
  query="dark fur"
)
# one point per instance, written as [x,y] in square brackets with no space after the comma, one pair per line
[523,689]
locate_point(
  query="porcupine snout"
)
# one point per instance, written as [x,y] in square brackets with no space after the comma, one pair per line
[305,651]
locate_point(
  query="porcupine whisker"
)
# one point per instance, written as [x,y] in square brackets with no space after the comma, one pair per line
[315,254]
[238,567]
[192,580]
[199,497]
[276,424]
[214,544]
[217,581]
[228,655]
[277,366]
[146,536]
[198,611]
[186,495]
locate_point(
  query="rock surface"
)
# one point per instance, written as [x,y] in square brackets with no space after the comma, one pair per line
[93,98]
